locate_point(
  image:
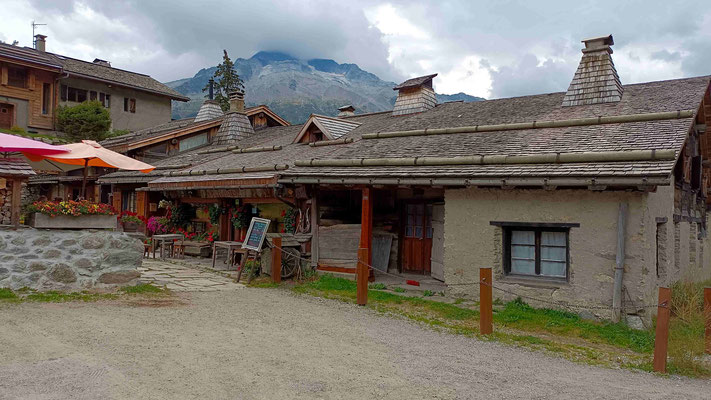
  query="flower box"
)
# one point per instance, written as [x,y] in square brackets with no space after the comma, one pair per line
[43,221]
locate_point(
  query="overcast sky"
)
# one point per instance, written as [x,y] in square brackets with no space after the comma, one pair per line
[484,48]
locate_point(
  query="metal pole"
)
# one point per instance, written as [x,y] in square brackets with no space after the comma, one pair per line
[619,264]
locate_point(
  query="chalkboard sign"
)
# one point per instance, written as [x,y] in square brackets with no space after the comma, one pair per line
[255,234]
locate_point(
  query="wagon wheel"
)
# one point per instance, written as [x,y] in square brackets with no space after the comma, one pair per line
[290,262]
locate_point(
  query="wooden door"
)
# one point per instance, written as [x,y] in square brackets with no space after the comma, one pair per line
[417,240]
[438,241]
[6,115]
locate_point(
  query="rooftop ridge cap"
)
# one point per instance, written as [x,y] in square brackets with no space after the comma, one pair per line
[599,120]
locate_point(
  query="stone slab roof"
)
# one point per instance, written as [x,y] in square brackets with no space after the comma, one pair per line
[415,82]
[664,96]
[15,168]
[90,70]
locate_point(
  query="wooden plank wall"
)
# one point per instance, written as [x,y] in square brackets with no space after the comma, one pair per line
[33,94]
[338,245]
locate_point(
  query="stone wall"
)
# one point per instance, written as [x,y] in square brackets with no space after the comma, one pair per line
[472,242]
[67,260]
[5,205]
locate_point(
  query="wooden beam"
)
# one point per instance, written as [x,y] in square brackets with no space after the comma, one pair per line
[314,229]
[276,260]
[366,223]
[16,200]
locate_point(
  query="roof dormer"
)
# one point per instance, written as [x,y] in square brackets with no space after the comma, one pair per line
[320,127]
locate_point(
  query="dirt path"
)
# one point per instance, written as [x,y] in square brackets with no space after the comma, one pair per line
[270,344]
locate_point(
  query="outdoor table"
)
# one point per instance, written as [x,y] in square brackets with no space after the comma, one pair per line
[169,237]
[232,247]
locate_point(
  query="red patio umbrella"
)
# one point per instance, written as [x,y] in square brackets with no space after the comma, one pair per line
[12,143]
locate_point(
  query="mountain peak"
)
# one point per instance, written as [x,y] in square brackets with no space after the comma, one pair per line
[267,57]
[296,88]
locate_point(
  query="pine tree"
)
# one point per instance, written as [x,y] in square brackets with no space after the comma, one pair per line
[226,81]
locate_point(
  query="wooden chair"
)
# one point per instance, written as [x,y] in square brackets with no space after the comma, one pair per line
[166,249]
[147,250]
[179,249]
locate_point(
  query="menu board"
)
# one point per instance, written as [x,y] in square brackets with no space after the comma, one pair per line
[255,234]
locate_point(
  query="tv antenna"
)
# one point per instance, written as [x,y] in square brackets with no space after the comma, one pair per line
[34,40]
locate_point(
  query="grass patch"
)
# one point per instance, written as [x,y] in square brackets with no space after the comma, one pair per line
[398,290]
[6,294]
[558,332]
[427,293]
[686,330]
[519,315]
[144,288]
[53,296]
[377,286]
[60,297]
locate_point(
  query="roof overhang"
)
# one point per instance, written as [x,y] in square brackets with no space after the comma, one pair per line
[139,88]
[543,182]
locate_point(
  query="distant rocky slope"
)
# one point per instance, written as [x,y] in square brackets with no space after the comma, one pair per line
[295,88]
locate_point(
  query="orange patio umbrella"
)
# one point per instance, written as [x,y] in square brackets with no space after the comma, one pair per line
[91,154]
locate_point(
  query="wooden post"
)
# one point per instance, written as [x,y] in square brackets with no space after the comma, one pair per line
[707,318]
[362,273]
[15,203]
[661,338]
[314,229]
[276,260]
[366,226]
[486,313]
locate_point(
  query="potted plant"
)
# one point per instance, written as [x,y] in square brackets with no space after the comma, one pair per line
[131,221]
[71,214]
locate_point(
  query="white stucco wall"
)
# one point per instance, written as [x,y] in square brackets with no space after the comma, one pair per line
[471,242]
[151,110]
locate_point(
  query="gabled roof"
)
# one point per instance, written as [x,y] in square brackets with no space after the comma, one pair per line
[90,70]
[679,98]
[266,110]
[27,55]
[169,130]
[332,128]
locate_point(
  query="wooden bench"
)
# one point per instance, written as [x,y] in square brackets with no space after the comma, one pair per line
[198,248]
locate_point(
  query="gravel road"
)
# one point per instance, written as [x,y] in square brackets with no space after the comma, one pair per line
[271,344]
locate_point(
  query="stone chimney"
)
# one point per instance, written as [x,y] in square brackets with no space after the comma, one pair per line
[596,80]
[102,62]
[237,101]
[415,95]
[346,111]
[40,42]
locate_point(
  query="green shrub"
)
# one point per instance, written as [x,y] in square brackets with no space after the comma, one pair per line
[88,120]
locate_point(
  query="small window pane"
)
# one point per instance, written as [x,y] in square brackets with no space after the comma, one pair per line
[523,237]
[523,267]
[408,231]
[552,253]
[553,268]
[553,238]
[81,95]
[523,251]
[92,95]
[429,232]
[418,231]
